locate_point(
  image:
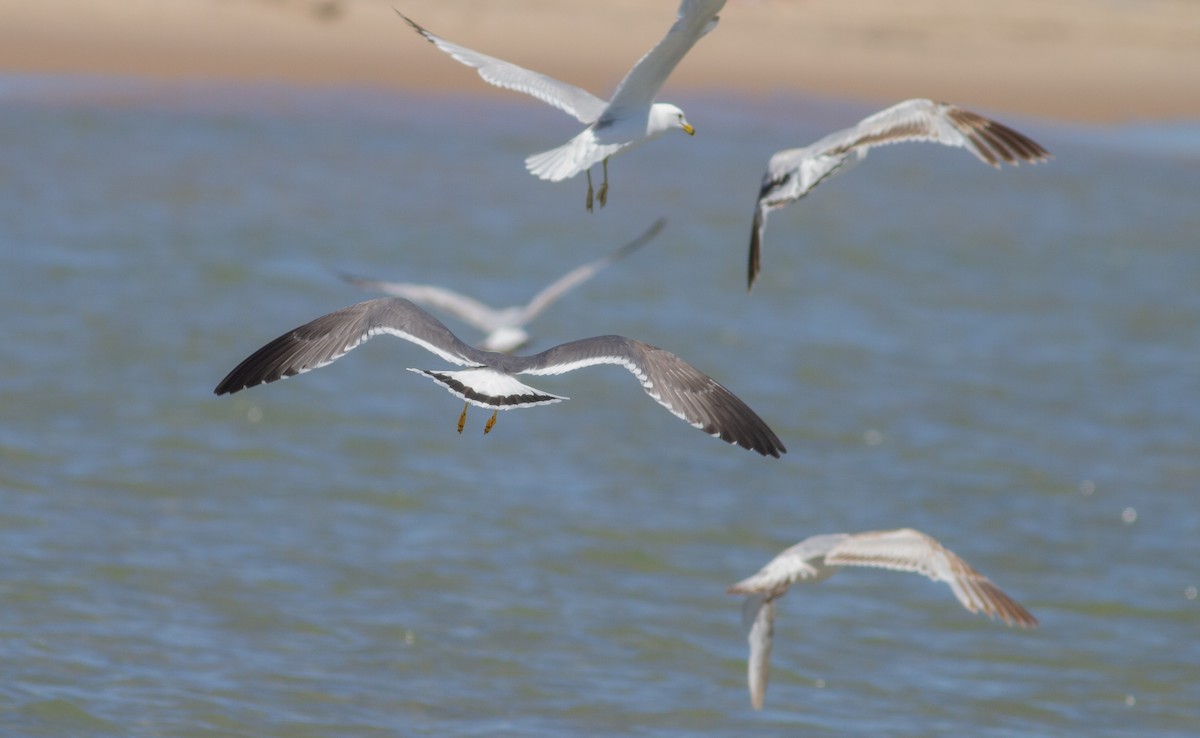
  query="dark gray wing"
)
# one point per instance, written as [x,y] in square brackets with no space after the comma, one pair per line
[329,337]
[670,381]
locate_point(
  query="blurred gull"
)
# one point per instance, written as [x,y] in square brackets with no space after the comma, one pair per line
[793,173]
[489,381]
[629,119]
[819,557]
[505,327]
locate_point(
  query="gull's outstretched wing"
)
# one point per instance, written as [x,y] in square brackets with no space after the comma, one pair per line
[685,391]
[465,308]
[911,550]
[581,274]
[758,615]
[793,173]
[568,98]
[801,562]
[326,339]
[919,119]
[646,78]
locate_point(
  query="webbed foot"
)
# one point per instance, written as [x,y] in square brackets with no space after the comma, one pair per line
[602,195]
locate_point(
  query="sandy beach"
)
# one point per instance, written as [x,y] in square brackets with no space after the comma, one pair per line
[1071,60]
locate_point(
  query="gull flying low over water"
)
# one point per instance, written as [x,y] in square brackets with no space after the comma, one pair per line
[505,327]
[820,557]
[629,119]
[793,173]
[489,381]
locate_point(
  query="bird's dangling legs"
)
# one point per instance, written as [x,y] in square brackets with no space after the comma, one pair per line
[588,202]
[491,421]
[602,195]
[462,419]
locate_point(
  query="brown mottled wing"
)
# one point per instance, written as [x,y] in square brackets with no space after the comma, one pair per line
[911,550]
[793,173]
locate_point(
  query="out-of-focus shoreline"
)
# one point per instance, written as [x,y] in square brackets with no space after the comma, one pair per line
[1071,60]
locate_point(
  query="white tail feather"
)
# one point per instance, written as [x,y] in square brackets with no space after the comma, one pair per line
[575,156]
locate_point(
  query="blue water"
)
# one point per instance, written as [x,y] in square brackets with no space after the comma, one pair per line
[1005,360]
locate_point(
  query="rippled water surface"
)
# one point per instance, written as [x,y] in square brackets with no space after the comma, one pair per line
[1005,360]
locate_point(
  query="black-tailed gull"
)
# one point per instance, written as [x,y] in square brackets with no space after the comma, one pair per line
[490,378]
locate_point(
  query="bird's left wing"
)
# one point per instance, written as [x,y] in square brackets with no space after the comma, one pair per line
[575,101]
[803,561]
[758,616]
[328,338]
[466,308]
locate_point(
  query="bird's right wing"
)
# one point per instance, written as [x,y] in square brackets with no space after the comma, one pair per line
[919,119]
[575,101]
[911,550]
[685,391]
[581,274]
[642,83]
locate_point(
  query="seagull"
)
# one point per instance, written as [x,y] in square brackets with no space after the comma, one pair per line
[793,173]
[505,327]
[629,119]
[819,557]
[489,380]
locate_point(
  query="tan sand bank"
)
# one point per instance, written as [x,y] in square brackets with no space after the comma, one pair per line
[1095,60]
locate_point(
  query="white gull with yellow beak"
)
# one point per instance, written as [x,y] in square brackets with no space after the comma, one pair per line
[629,119]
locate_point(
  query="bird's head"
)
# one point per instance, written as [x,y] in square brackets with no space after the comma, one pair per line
[665,116]
[505,340]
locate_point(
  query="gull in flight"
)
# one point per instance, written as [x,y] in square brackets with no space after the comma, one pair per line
[819,557]
[505,327]
[793,173]
[489,381]
[629,119]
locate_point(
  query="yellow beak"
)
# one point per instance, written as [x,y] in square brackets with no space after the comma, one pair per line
[687,128]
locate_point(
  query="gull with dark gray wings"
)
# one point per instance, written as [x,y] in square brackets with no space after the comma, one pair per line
[817,558]
[793,173]
[489,381]
[629,119]
[505,327]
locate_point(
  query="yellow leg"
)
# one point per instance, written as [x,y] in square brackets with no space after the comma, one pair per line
[588,202]
[491,421]
[462,419]
[602,195]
